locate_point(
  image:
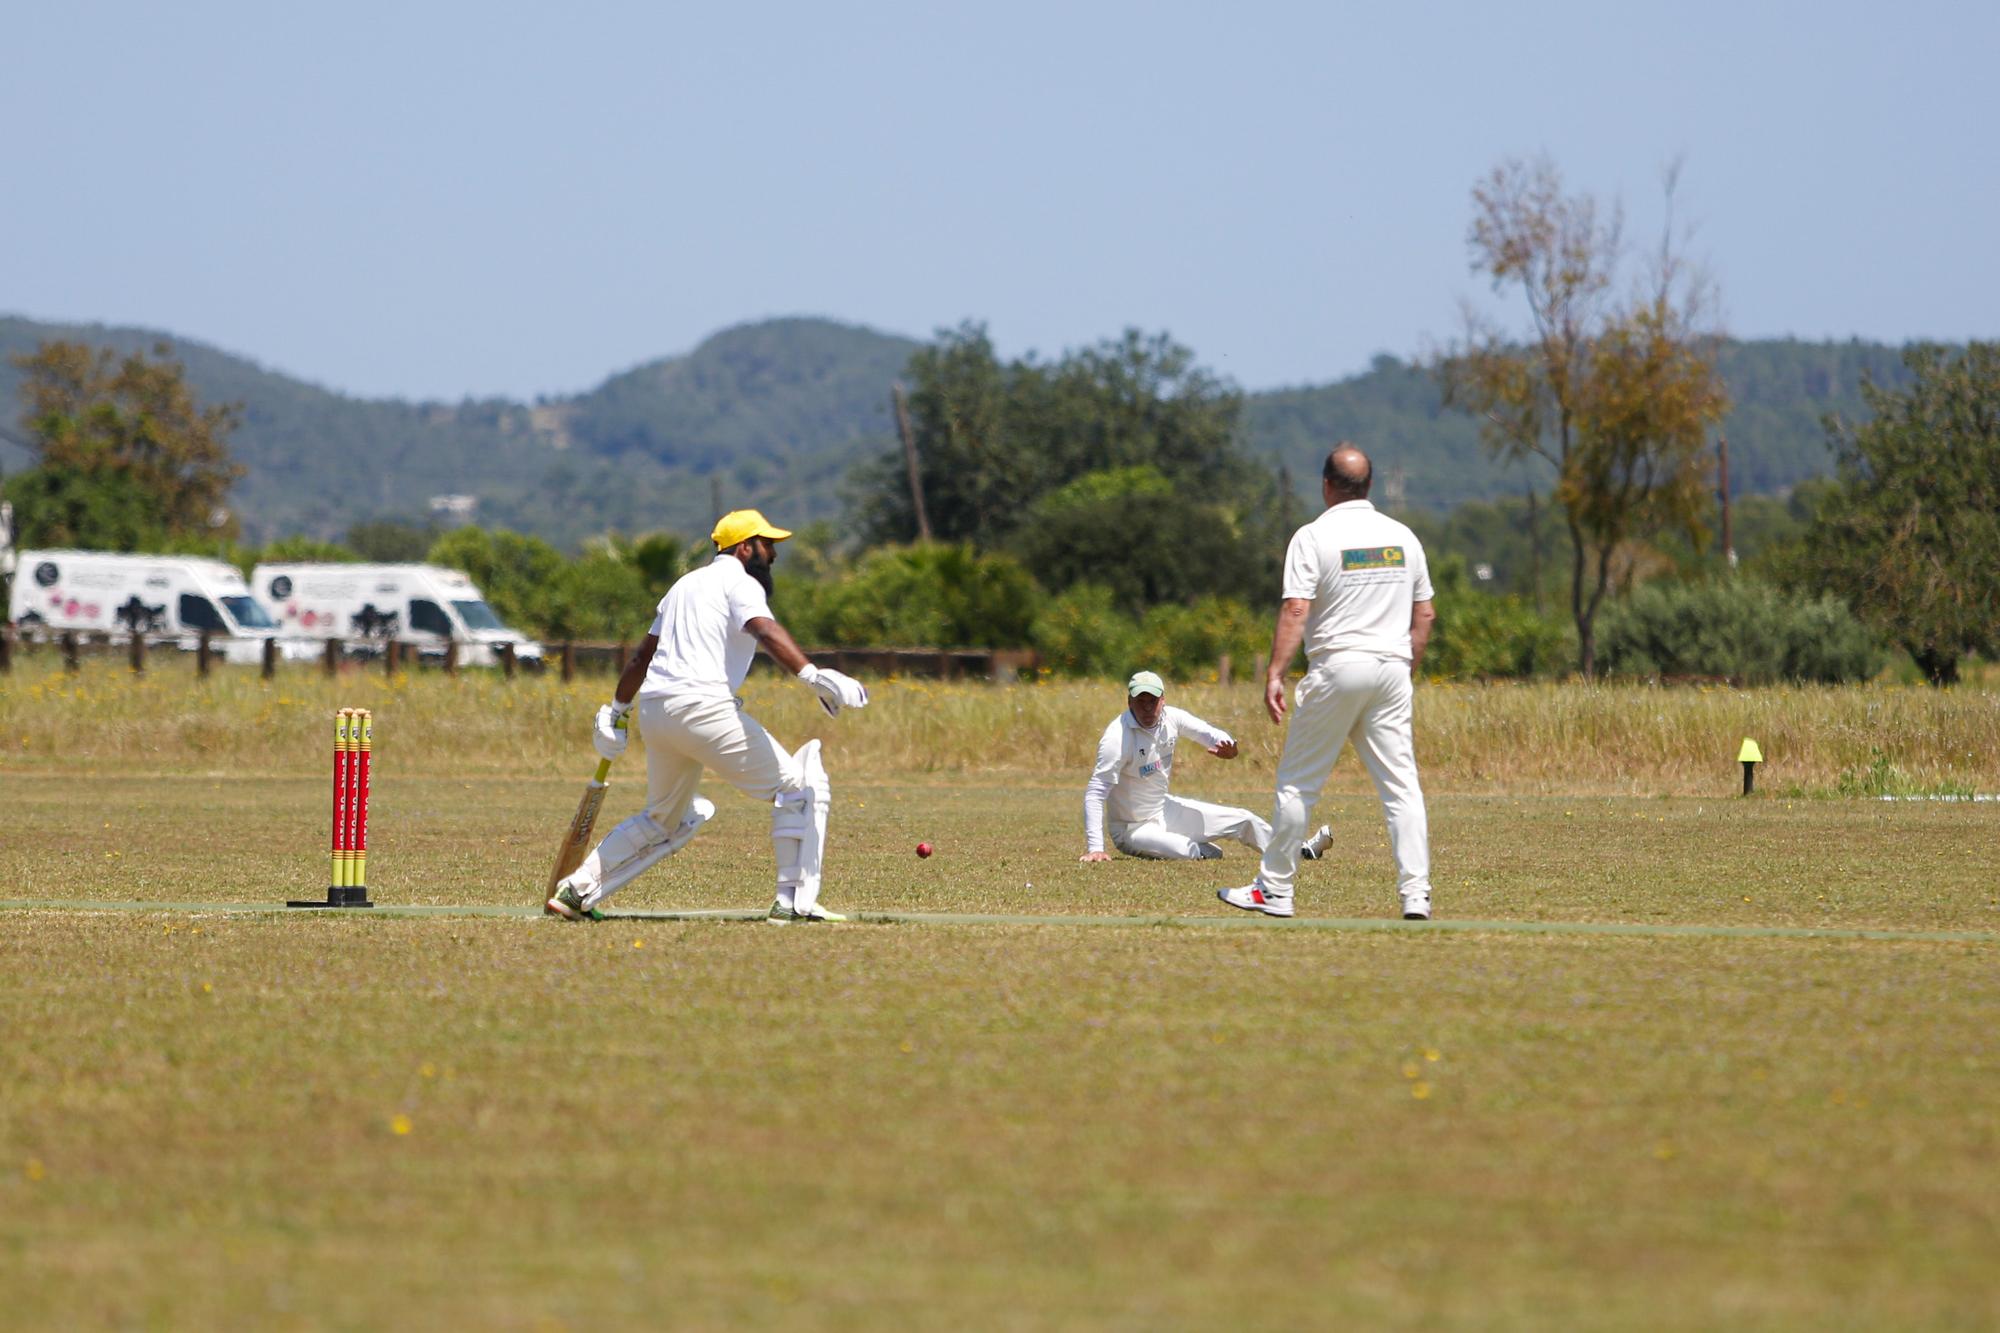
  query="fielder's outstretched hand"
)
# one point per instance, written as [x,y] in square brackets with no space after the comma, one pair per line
[608,731]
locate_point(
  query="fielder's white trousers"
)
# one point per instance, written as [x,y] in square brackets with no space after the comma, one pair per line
[684,736]
[1367,701]
[1182,826]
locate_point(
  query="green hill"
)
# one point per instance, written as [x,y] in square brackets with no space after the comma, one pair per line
[767,414]
[774,413]
[1779,391]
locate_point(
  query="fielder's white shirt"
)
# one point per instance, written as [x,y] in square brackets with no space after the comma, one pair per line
[1134,766]
[704,650]
[1362,571]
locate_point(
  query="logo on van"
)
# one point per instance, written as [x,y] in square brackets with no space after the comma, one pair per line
[371,623]
[281,588]
[139,618]
[46,574]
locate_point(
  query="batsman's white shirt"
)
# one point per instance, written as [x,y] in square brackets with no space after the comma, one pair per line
[704,650]
[1361,570]
[1135,764]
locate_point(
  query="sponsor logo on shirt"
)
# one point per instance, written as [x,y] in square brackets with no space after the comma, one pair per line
[1371,557]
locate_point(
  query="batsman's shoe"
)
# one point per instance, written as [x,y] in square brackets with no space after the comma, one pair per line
[784,914]
[1313,848]
[568,906]
[1417,906]
[1208,851]
[1251,898]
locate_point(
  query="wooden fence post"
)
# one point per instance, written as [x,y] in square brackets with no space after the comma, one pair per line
[332,657]
[6,646]
[392,656]
[1224,667]
[136,649]
[202,659]
[568,660]
[507,660]
[72,663]
[451,657]
[270,658]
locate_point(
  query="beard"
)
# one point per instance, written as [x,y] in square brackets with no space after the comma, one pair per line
[760,570]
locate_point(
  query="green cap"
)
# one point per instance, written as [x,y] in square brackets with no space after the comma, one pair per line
[1145,682]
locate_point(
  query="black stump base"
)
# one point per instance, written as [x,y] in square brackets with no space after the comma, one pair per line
[350,895]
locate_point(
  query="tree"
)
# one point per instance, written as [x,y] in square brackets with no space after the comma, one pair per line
[100,511]
[1147,540]
[1616,393]
[392,541]
[521,576]
[994,436]
[91,414]
[1116,465]
[1909,532]
[927,595]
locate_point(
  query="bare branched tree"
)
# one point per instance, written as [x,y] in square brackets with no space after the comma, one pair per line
[1616,391]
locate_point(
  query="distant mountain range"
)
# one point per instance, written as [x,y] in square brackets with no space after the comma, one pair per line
[773,414]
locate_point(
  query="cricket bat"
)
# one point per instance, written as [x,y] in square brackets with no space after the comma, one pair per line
[576,843]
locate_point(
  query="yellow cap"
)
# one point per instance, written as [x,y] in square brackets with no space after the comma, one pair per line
[740,525]
[1749,754]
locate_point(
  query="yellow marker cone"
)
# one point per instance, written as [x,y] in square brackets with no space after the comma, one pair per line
[1749,756]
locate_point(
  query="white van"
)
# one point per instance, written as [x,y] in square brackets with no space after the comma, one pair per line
[165,598]
[423,607]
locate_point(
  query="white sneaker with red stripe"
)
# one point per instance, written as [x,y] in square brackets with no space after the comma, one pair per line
[1251,898]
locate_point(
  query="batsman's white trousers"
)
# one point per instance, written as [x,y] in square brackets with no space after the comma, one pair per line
[1181,828]
[1365,700]
[685,736]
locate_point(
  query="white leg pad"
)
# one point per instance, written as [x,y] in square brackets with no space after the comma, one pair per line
[798,831]
[636,845]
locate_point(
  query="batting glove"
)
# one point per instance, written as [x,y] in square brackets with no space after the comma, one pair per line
[835,689]
[608,735]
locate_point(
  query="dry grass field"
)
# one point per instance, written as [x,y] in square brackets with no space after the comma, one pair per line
[225,1118]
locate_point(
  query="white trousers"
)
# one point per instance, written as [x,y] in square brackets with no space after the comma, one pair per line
[685,736]
[1366,701]
[1182,826]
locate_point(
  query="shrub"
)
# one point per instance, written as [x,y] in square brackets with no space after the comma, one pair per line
[932,596]
[1741,629]
[1082,633]
[1184,642]
[1485,637]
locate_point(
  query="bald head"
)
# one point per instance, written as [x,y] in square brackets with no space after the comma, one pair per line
[1347,474]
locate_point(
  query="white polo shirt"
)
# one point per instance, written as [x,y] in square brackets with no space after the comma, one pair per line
[1362,570]
[1135,764]
[704,650]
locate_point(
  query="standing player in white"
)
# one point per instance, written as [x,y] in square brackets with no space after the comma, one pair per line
[1357,593]
[1128,787]
[685,675]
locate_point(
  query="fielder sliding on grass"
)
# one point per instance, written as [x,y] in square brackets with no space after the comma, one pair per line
[1357,593]
[1128,787]
[685,675]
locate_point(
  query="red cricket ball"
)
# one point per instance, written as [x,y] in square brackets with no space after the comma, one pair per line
[923,849]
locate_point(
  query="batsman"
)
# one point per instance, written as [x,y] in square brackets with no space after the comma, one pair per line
[684,677]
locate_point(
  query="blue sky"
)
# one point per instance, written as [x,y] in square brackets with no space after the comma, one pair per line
[455,199]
